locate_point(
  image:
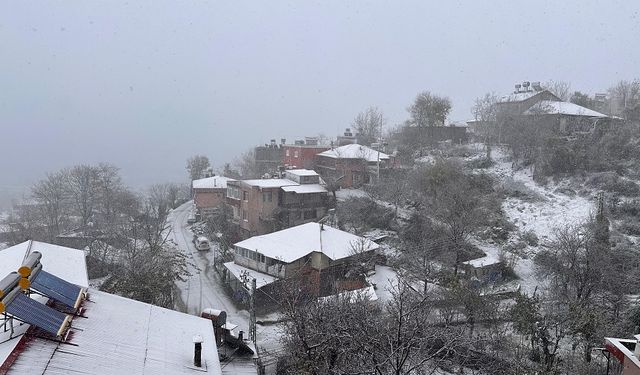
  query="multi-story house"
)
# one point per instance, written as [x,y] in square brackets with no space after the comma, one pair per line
[317,253]
[302,154]
[264,206]
[351,165]
[268,158]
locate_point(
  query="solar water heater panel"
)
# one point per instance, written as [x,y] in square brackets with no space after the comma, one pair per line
[37,314]
[56,288]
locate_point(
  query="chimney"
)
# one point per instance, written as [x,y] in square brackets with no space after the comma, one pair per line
[283,141]
[240,335]
[197,353]
[517,88]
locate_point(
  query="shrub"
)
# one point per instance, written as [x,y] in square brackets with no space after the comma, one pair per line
[530,238]
[610,181]
[362,213]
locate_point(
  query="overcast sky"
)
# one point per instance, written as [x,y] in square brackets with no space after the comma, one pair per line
[144,85]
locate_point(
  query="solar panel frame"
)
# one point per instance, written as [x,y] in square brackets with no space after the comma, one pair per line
[57,288]
[37,314]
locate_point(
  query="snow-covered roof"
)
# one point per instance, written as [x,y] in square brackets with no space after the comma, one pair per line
[305,189]
[302,172]
[353,295]
[487,260]
[64,262]
[215,182]
[293,243]
[270,183]
[262,279]
[354,151]
[517,97]
[117,335]
[562,108]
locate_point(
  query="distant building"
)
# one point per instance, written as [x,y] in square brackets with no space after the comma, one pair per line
[60,325]
[319,254]
[351,165]
[266,205]
[302,154]
[209,193]
[268,157]
[347,138]
[523,98]
[535,105]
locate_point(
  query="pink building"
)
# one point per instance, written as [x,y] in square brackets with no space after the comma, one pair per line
[209,193]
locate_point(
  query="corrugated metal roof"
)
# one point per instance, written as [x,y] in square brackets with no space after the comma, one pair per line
[64,262]
[122,336]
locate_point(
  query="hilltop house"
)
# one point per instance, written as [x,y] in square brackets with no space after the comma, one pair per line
[351,165]
[263,206]
[532,103]
[209,193]
[318,254]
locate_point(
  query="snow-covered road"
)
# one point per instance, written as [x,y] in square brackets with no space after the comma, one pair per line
[203,288]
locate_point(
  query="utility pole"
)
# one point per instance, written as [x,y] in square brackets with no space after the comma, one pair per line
[252,310]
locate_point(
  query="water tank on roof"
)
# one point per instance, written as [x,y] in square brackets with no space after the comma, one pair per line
[217,317]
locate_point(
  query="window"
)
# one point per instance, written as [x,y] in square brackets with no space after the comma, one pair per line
[295,154]
[267,196]
[244,215]
[287,152]
[245,196]
[233,192]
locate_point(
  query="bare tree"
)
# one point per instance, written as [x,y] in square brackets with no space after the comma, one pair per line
[626,94]
[150,263]
[110,189]
[429,110]
[197,165]
[352,335]
[561,89]
[82,185]
[456,203]
[485,111]
[368,125]
[246,165]
[51,196]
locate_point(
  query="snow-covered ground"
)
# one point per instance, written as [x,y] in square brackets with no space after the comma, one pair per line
[344,194]
[540,209]
[548,209]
